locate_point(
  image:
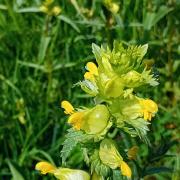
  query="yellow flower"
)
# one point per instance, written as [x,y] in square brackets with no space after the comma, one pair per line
[125,169]
[114,8]
[62,173]
[45,167]
[56,10]
[43,9]
[132,152]
[92,71]
[76,120]
[76,117]
[111,157]
[149,108]
[92,121]
[67,106]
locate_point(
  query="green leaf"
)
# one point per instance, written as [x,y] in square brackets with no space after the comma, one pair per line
[141,127]
[15,173]
[97,53]
[155,170]
[73,137]
[163,10]
[118,176]
[153,18]
[43,48]
[28,10]
[69,21]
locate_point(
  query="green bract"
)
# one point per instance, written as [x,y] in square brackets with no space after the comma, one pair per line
[71,174]
[119,69]
[109,154]
[95,120]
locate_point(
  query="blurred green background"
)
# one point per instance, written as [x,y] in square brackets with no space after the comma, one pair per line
[42,56]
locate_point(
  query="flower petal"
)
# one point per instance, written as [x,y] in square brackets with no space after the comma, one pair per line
[125,169]
[76,120]
[67,106]
[45,167]
[92,68]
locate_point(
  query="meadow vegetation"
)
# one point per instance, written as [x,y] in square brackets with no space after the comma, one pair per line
[42,55]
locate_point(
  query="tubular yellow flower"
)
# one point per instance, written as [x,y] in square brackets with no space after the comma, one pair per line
[62,173]
[76,120]
[92,71]
[125,169]
[92,68]
[45,167]
[89,76]
[132,152]
[56,10]
[67,106]
[149,108]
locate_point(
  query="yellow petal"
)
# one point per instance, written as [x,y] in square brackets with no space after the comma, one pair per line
[132,152]
[66,105]
[43,9]
[125,169]
[45,167]
[149,105]
[114,8]
[76,120]
[89,76]
[149,108]
[92,68]
[56,10]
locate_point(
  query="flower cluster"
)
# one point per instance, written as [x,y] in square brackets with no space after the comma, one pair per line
[114,83]
[49,9]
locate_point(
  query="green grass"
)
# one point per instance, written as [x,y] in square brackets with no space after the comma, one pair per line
[41,59]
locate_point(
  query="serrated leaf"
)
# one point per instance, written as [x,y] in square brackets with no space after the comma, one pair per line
[141,128]
[73,137]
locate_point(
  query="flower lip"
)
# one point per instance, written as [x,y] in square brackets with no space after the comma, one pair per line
[67,106]
[92,68]
[45,167]
[125,169]
[149,108]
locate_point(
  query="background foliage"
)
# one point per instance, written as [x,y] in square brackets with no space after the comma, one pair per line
[41,58]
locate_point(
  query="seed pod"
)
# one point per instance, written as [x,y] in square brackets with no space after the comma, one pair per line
[95,120]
